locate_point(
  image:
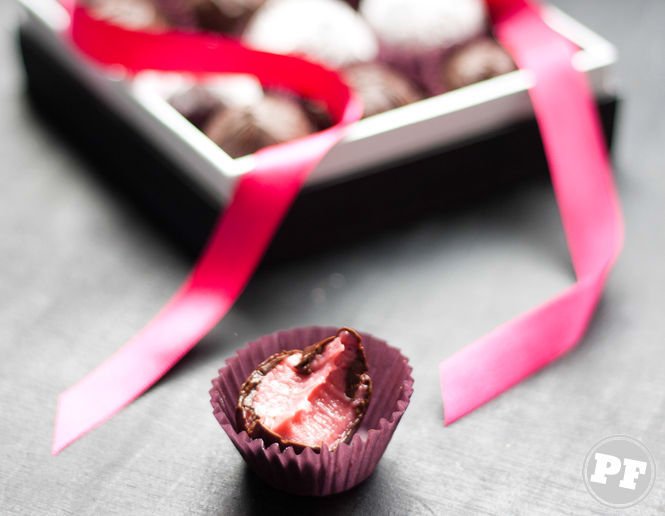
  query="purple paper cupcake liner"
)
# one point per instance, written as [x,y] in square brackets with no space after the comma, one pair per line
[311,473]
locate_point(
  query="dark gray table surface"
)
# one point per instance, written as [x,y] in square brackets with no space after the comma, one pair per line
[80,272]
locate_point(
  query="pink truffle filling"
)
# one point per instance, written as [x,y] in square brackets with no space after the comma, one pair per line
[311,409]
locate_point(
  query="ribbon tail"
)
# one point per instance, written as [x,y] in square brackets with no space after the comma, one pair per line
[261,200]
[589,209]
[509,354]
[218,279]
[136,366]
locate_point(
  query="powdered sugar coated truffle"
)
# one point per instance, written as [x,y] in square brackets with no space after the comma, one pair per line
[424,25]
[328,31]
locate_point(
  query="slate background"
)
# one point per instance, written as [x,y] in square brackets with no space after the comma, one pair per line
[80,272]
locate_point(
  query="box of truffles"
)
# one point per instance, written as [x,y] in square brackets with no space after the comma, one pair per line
[446,114]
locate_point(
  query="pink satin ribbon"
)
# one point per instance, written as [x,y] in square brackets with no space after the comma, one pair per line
[589,208]
[580,173]
[260,201]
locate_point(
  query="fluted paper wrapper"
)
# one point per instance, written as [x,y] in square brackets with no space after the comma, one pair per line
[311,473]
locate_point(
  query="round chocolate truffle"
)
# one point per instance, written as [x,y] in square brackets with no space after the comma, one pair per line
[379,87]
[131,14]
[198,98]
[415,26]
[327,31]
[317,114]
[476,61]
[226,16]
[197,104]
[242,130]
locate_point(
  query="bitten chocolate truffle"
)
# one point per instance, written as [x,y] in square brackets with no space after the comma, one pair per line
[379,87]
[226,16]
[242,130]
[131,14]
[327,31]
[308,398]
[476,61]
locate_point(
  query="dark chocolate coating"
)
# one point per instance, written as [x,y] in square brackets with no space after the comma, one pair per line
[317,113]
[379,87]
[131,14]
[197,104]
[226,16]
[357,375]
[242,130]
[476,61]
[315,110]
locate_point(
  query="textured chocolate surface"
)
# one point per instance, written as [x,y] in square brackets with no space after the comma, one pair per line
[358,388]
[476,61]
[242,130]
[380,88]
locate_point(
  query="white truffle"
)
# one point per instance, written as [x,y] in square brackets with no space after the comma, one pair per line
[423,25]
[327,31]
[235,89]
[229,88]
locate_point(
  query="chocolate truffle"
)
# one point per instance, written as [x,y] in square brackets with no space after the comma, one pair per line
[379,87]
[308,398]
[131,14]
[235,89]
[197,104]
[476,61]
[226,16]
[207,96]
[242,130]
[317,113]
[327,31]
[414,26]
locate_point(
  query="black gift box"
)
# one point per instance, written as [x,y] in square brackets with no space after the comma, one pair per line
[394,167]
